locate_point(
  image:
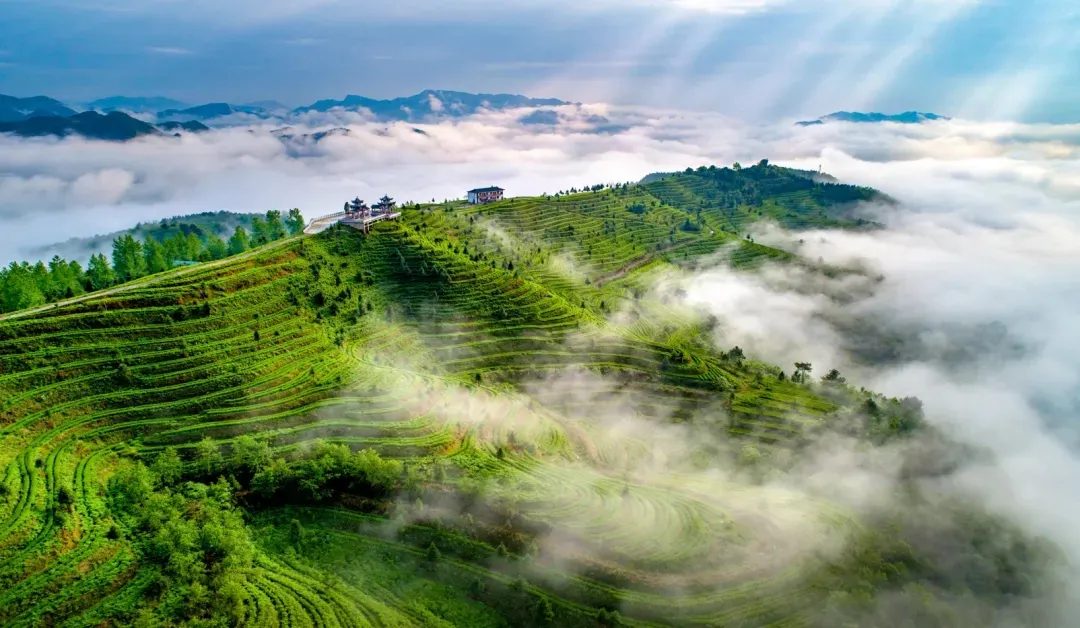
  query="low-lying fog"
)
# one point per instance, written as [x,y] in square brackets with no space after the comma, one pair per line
[981,257]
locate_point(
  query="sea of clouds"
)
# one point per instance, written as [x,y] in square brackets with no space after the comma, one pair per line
[986,236]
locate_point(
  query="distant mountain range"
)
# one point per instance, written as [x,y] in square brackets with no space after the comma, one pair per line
[908,117]
[430,103]
[114,126]
[425,105]
[135,105]
[208,112]
[111,119]
[14,109]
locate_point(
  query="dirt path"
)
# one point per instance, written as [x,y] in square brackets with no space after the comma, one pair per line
[145,281]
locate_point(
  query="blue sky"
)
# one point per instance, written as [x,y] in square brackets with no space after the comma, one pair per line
[756,59]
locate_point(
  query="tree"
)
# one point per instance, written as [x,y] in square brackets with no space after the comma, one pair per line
[802,372]
[239,242]
[207,457]
[545,615]
[295,222]
[127,258]
[154,253]
[834,377]
[432,555]
[18,288]
[175,247]
[607,618]
[64,279]
[192,247]
[216,247]
[749,455]
[736,354]
[99,274]
[275,228]
[260,231]
[168,467]
[250,454]
[296,532]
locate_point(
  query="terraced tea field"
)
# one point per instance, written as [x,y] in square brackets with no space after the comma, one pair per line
[461,419]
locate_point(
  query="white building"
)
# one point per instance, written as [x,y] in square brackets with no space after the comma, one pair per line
[482,196]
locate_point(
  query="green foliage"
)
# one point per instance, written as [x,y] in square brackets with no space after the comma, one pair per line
[275,227]
[100,273]
[24,286]
[433,556]
[154,254]
[239,241]
[194,533]
[326,473]
[167,467]
[129,263]
[294,222]
[260,231]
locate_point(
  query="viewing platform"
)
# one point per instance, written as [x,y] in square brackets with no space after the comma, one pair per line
[364,223]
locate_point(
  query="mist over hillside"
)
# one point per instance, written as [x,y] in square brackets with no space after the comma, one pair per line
[962,301]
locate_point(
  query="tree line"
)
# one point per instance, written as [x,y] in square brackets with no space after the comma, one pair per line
[25,285]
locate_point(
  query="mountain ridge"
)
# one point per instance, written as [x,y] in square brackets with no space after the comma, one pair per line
[907,117]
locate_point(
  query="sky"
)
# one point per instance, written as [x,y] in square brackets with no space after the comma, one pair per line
[754,59]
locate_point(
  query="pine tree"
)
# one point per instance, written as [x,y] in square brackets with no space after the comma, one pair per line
[18,289]
[433,555]
[154,253]
[99,273]
[128,260]
[239,241]
[192,247]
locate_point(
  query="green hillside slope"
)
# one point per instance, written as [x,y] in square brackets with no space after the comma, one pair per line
[475,416]
[221,224]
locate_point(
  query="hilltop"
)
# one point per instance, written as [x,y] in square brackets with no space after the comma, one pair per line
[113,126]
[91,124]
[219,223]
[908,117]
[14,109]
[489,415]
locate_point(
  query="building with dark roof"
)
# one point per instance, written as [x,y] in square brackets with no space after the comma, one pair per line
[481,196]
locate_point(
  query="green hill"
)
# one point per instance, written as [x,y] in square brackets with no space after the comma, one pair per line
[113,126]
[219,223]
[731,198]
[474,416]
